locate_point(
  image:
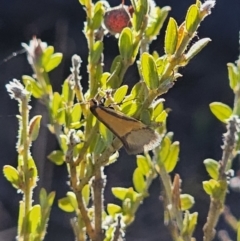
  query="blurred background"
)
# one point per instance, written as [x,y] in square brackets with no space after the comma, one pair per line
[205,79]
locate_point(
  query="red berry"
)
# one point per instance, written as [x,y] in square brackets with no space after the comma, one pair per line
[117,18]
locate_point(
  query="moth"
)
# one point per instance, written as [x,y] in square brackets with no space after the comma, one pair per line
[135,136]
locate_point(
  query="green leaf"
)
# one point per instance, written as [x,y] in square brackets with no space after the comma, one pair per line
[164,150]
[126,44]
[28,88]
[198,3]
[215,189]
[50,198]
[116,65]
[137,19]
[196,48]
[221,111]
[76,112]
[212,167]
[233,76]
[126,207]
[63,142]
[143,165]
[144,6]
[34,218]
[192,19]
[155,55]
[61,115]
[58,111]
[189,223]
[132,195]
[171,161]
[149,71]
[139,92]
[99,72]
[112,209]
[82,2]
[161,64]
[53,62]
[66,91]
[47,53]
[73,200]
[34,126]
[36,88]
[120,192]
[33,172]
[97,52]
[12,175]
[171,37]
[120,93]
[46,205]
[113,81]
[43,198]
[57,157]
[98,15]
[192,222]
[138,180]
[162,117]
[75,125]
[157,108]
[98,145]
[88,168]
[106,134]
[103,79]
[154,26]
[187,201]
[21,215]
[129,108]
[145,117]
[86,194]
[46,201]
[109,234]
[65,205]
[56,103]
[207,187]
[141,9]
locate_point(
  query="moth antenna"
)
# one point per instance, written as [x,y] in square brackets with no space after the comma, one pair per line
[67,107]
[63,108]
[14,54]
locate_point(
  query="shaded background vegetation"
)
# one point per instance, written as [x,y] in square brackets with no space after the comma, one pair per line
[60,23]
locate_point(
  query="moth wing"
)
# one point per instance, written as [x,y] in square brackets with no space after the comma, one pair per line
[141,140]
